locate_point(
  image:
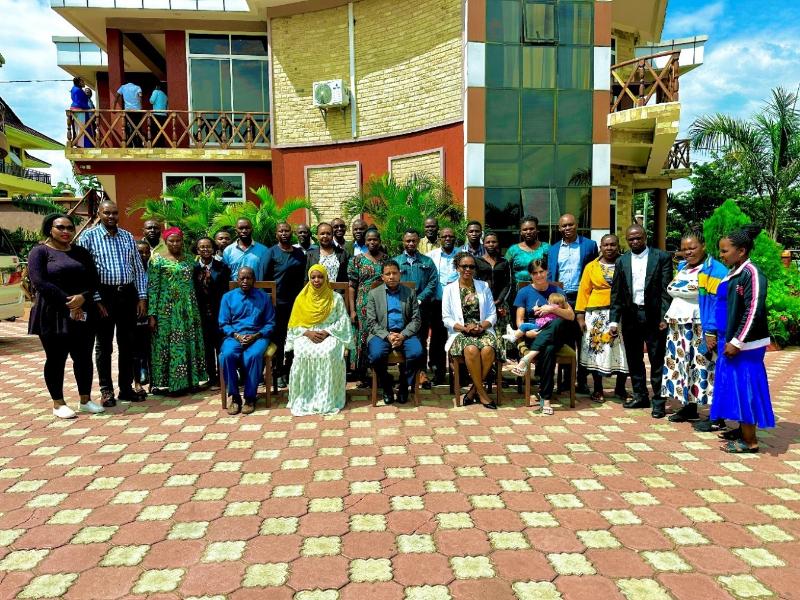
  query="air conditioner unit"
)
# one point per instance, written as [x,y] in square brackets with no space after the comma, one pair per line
[330,94]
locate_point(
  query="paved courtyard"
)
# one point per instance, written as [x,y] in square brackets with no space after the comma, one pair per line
[174,499]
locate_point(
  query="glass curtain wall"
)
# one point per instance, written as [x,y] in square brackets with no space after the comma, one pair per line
[538,113]
[229,74]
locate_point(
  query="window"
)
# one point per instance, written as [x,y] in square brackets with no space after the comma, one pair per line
[613,50]
[503,21]
[232,183]
[540,22]
[575,24]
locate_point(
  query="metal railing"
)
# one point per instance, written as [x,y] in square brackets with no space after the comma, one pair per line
[17,171]
[679,157]
[635,82]
[166,129]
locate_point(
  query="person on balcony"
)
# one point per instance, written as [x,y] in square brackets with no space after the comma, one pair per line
[160,103]
[80,107]
[129,98]
[246,252]
[177,353]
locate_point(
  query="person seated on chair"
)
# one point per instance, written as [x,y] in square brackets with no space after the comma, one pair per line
[469,313]
[246,318]
[536,329]
[318,333]
[393,321]
[531,303]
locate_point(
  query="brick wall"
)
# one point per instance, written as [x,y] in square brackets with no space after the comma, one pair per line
[408,69]
[329,186]
[429,164]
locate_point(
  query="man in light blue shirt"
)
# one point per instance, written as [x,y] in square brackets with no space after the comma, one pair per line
[443,261]
[129,97]
[159,101]
[246,252]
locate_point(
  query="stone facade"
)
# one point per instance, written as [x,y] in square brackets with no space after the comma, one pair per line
[328,186]
[403,167]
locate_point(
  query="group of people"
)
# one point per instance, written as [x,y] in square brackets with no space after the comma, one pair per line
[344,305]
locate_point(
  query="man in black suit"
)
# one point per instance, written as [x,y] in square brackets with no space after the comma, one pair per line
[394,321]
[639,301]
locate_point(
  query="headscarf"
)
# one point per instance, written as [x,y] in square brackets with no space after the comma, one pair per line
[312,305]
[171,231]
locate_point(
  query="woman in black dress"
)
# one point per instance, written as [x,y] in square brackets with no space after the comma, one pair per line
[64,316]
[211,279]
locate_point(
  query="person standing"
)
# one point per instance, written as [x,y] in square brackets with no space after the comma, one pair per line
[430,240]
[285,265]
[246,252]
[64,315]
[339,231]
[393,320]
[494,270]
[601,354]
[442,258]
[567,259]
[363,270]
[329,255]
[129,98]
[741,387]
[211,279]
[639,303]
[151,233]
[222,239]
[420,269]
[359,243]
[473,244]
[303,233]
[121,297]
[141,347]
[160,103]
[79,105]
[319,333]
[519,256]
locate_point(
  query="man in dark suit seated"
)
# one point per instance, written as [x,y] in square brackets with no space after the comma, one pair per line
[639,301]
[394,321]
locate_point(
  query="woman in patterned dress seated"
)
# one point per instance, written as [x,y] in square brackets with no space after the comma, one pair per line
[319,333]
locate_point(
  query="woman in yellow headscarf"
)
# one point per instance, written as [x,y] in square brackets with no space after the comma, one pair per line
[319,333]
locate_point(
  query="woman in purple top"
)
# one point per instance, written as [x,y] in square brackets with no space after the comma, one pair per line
[63,315]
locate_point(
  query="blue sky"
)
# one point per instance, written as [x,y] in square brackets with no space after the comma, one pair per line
[754,46]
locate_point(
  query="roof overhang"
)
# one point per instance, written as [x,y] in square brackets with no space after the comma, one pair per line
[692,51]
[643,136]
[26,140]
[643,17]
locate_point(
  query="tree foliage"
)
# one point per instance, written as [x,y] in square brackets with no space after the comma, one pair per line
[396,206]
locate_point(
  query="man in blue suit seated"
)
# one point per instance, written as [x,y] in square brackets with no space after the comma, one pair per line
[246,318]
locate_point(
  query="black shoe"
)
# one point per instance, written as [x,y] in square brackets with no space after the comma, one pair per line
[706,425]
[659,409]
[130,396]
[364,385]
[426,385]
[107,398]
[583,389]
[282,383]
[637,402]
[467,401]
[687,412]
[402,396]
[490,406]
[388,397]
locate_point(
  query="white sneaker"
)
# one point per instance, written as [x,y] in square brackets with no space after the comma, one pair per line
[91,407]
[64,412]
[510,335]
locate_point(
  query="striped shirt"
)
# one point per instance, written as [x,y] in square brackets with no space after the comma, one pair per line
[116,258]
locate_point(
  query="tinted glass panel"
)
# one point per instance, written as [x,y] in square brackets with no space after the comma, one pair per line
[211,84]
[544,204]
[503,210]
[540,22]
[502,66]
[577,202]
[250,85]
[208,44]
[537,166]
[575,24]
[502,166]
[502,116]
[538,67]
[574,68]
[231,184]
[574,117]
[503,21]
[538,112]
[573,165]
[249,45]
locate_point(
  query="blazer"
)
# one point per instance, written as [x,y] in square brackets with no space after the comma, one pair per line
[657,279]
[588,252]
[209,300]
[747,326]
[312,258]
[378,313]
[452,313]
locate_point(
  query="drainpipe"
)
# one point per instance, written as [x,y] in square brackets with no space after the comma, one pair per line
[351,26]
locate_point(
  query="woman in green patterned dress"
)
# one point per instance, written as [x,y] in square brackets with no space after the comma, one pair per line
[177,354]
[364,270]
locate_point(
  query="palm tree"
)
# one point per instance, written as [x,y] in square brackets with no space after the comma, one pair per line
[264,216]
[396,206]
[766,149]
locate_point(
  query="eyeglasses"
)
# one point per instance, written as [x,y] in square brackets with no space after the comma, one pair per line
[469,267]
[64,227]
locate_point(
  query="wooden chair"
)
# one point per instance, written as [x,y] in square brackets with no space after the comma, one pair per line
[271,288]
[565,356]
[396,356]
[455,363]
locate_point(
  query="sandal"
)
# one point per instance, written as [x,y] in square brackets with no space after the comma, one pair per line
[598,397]
[519,370]
[731,434]
[739,447]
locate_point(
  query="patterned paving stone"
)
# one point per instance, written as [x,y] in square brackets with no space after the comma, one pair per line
[172,498]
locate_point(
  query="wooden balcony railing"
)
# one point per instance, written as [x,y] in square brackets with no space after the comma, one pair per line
[166,129]
[17,171]
[678,157]
[635,82]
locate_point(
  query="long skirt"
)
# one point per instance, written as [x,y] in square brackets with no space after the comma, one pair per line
[688,365]
[317,378]
[742,389]
[600,352]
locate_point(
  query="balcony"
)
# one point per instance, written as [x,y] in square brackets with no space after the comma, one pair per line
[17,171]
[643,81]
[679,157]
[167,135]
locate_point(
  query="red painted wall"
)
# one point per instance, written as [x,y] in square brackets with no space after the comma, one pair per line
[177,84]
[136,180]
[289,163]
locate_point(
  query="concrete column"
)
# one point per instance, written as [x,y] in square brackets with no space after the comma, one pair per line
[660,218]
[177,84]
[116,65]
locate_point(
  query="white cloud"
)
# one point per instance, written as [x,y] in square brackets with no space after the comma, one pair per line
[697,22]
[26,45]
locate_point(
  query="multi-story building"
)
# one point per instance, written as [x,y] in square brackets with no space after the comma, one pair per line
[522,106]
